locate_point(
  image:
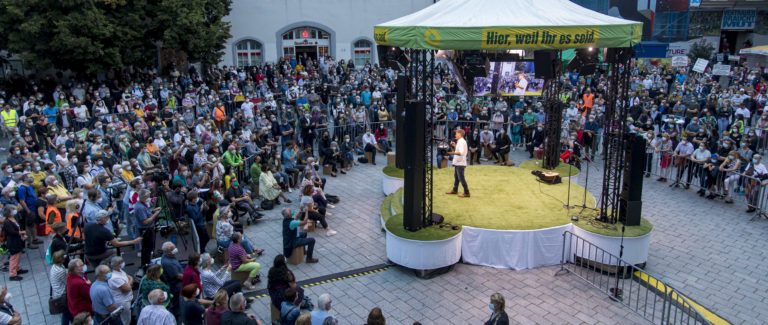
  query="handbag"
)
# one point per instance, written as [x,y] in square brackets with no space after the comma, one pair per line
[57,305]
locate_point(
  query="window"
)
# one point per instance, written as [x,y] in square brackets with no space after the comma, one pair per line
[288,51]
[361,52]
[248,52]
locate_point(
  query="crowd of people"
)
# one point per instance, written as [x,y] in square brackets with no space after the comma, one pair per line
[106,162]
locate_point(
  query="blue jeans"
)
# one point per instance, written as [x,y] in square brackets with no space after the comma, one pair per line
[245,243]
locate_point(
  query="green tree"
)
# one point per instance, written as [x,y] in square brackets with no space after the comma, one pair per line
[700,49]
[96,35]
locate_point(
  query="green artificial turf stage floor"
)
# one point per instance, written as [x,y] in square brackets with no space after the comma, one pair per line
[505,198]
[561,169]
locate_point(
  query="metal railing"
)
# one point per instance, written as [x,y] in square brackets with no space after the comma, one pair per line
[627,284]
[747,191]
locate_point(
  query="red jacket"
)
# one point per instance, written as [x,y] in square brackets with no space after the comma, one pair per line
[191,275]
[381,133]
[78,294]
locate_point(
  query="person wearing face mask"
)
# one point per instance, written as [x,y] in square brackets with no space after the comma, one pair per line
[173,273]
[590,136]
[498,314]
[347,149]
[156,313]
[8,315]
[121,287]
[78,288]
[103,303]
[14,242]
[757,173]
[664,151]
[192,310]
[536,140]
[680,157]
[729,174]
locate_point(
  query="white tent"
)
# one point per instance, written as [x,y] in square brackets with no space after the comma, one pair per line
[507,24]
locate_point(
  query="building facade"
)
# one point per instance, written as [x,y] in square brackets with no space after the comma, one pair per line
[265,30]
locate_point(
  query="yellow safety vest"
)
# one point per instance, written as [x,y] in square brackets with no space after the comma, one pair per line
[9,118]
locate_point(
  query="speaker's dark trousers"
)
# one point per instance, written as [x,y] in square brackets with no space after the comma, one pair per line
[458,176]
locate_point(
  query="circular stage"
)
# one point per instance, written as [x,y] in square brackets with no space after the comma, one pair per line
[511,220]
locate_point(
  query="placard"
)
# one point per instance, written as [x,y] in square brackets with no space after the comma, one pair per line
[733,57]
[721,69]
[680,61]
[700,65]
[740,19]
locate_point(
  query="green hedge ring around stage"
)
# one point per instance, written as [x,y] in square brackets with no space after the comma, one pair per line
[392,171]
[561,169]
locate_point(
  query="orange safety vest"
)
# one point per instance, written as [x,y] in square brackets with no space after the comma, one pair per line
[588,100]
[219,114]
[56,218]
[74,231]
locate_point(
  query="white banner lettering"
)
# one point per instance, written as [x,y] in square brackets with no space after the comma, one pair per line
[739,19]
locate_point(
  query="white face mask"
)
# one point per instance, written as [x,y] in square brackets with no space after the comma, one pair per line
[175,251]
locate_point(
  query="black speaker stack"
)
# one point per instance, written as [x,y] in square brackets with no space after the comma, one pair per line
[414,164]
[401,83]
[545,64]
[631,206]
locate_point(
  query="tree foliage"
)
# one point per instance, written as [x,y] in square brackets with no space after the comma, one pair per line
[700,49]
[96,35]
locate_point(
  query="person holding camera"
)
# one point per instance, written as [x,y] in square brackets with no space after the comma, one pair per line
[145,219]
[97,236]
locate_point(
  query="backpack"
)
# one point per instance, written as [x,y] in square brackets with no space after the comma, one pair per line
[362,160]
[267,205]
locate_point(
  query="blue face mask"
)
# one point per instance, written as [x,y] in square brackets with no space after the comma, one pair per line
[491,307]
[109,276]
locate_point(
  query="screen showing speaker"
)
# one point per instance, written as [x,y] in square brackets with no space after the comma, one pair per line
[509,79]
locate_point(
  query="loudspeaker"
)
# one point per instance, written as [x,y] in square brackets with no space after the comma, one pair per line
[414,165]
[475,71]
[400,140]
[630,207]
[619,54]
[545,64]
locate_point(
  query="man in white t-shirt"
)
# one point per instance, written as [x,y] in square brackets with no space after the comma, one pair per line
[459,163]
[8,315]
[521,85]
[121,286]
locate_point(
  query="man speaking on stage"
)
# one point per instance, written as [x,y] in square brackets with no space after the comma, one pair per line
[459,163]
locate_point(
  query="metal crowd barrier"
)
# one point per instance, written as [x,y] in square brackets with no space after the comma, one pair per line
[626,284]
[746,191]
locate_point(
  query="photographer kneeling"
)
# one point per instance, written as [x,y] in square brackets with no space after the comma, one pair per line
[96,238]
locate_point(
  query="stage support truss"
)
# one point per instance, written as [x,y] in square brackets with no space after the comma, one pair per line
[615,141]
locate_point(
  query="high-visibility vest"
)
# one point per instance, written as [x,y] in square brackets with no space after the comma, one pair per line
[588,100]
[56,218]
[72,225]
[219,114]
[9,118]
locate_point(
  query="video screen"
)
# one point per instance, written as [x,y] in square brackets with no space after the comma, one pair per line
[509,79]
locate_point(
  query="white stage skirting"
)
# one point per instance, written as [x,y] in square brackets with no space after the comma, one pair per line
[390,184]
[508,249]
[513,249]
[423,255]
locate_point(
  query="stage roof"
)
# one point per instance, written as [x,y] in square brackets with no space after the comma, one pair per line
[507,24]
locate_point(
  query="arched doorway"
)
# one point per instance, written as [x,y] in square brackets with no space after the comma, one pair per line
[306,41]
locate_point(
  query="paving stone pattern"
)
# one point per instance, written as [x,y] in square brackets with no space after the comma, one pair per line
[705,249]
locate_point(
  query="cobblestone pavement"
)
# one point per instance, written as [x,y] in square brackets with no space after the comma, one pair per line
[705,249]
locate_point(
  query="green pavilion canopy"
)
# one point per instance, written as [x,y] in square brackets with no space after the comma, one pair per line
[507,24]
